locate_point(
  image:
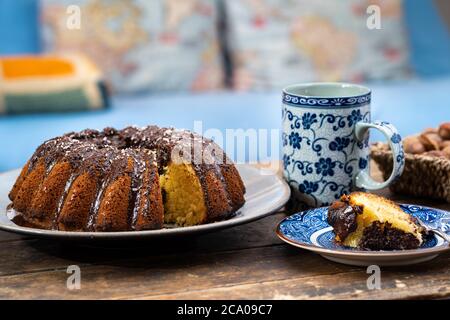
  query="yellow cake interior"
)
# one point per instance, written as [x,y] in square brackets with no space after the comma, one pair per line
[382,210]
[183,195]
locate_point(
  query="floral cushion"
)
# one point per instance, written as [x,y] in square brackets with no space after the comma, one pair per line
[278,42]
[141,45]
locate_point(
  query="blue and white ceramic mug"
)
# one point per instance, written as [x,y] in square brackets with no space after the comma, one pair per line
[326,141]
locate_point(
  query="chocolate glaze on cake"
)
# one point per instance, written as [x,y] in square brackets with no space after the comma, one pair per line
[342,217]
[109,180]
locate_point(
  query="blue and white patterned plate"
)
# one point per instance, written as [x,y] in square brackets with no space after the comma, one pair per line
[310,230]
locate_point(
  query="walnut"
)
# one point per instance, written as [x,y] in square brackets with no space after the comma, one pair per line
[413,145]
[430,130]
[431,141]
[444,131]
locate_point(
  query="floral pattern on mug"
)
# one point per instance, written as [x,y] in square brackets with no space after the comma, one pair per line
[326,142]
[333,151]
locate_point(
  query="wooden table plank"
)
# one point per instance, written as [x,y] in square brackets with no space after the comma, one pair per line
[8,236]
[34,255]
[247,261]
[173,273]
[422,281]
[267,272]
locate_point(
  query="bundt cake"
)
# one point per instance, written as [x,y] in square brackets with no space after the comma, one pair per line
[130,179]
[367,221]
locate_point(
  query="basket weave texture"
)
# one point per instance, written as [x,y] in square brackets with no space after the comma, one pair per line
[424,176]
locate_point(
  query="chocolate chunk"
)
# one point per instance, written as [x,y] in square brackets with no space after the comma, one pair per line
[342,217]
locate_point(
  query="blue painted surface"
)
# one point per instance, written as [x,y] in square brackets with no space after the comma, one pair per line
[429,39]
[19,26]
[411,106]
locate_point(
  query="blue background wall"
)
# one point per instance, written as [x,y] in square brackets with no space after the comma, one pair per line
[19,26]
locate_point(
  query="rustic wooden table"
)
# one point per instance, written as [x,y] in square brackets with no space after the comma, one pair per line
[245,262]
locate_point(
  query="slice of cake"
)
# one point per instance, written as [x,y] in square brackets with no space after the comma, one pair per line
[367,221]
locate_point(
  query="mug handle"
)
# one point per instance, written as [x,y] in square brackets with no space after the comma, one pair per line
[363,179]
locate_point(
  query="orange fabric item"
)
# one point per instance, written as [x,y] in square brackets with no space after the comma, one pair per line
[28,66]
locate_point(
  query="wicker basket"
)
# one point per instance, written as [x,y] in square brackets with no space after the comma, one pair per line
[424,176]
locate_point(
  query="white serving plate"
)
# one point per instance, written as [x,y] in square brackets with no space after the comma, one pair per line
[266,192]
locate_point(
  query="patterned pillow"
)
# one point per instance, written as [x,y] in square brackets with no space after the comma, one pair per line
[278,42]
[140,45]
